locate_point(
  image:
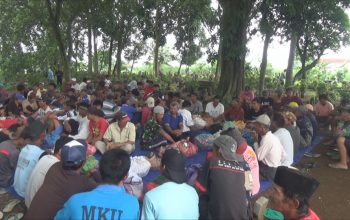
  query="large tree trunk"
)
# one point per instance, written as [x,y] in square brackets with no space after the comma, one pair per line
[54,20]
[95,60]
[156,44]
[89,50]
[263,64]
[235,20]
[110,54]
[289,71]
[119,62]
[70,46]
[218,63]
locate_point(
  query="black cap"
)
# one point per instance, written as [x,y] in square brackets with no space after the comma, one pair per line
[174,164]
[294,181]
[120,116]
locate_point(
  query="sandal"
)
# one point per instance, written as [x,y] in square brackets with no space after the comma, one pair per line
[11,205]
[336,166]
[14,216]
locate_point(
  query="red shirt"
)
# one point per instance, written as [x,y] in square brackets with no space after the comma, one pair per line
[146,111]
[98,128]
[148,90]
[235,113]
[312,216]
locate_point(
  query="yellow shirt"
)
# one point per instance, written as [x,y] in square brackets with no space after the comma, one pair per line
[115,135]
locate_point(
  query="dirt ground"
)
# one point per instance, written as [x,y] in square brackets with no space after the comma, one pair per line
[331,200]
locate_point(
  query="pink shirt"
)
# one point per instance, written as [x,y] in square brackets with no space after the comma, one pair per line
[252,161]
[145,115]
[323,110]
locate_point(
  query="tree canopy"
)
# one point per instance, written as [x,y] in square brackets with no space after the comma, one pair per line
[97,37]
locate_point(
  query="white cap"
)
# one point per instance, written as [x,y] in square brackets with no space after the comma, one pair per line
[264,119]
[150,102]
[74,79]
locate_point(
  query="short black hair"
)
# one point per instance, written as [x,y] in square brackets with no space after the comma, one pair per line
[60,143]
[52,84]
[186,104]
[20,87]
[71,104]
[323,96]
[257,99]
[303,208]
[97,102]
[84,105]
[217,97]
[278,119]
[114,166]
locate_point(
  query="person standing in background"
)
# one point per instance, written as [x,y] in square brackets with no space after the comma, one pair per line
[50,76]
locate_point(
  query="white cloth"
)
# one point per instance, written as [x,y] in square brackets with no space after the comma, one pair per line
[83,130]
[187,119]
[287,142]
[214,111]
[37,177]
[82,86]
[270,150]
[76,87]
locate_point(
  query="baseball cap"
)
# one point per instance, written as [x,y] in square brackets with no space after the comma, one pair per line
[74,79]
[293,105]
[294,181]
[174,165]
[237,136]
[263,119]
[121,116]
[227,147]
[158,110]
[73,153]
[150,102]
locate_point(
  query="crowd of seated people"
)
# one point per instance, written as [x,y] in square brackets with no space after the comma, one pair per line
[50,138]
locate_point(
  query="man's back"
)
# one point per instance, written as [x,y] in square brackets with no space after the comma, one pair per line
[8,161]
[225,195]
[58,186]
[104,202]
[37,177]
[27,160]
[171,201]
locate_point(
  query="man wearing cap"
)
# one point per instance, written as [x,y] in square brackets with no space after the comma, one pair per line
[224,183]
[9,152]
[270,151]
[174,199]
[37,177]
[120,134]
[248,155]
[109,200]
[291,193]
[154,135]
[35,134]
[62,181]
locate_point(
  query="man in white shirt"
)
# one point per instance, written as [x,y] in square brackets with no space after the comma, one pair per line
[270,152]
[215,108]
[83,130]
[38,174]
[44,107]
[186,116]
[284,136]
[75,85]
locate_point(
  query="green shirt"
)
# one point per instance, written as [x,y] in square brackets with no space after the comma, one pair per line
[152,129]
